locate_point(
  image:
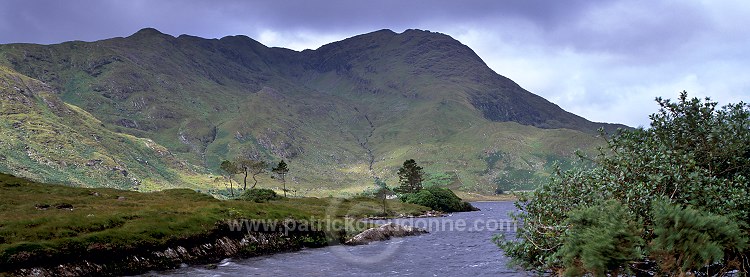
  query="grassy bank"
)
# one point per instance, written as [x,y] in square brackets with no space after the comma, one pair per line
[38,221]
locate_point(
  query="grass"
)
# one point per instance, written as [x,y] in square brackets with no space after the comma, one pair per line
[42,220]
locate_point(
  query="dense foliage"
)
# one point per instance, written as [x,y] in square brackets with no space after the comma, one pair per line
[592,245]
[687,238]
[439,199]
[682,182]
[259,195]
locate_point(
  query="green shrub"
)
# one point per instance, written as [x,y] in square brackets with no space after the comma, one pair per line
[439,199]
[259,195]
[600,239]
[423,197]
[687,240]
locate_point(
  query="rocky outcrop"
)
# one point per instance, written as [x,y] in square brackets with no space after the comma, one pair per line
[385,232]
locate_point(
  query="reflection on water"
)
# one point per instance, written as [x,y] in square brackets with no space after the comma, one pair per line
[457,245]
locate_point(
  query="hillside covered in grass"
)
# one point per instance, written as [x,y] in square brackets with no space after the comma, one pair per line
[167,110]
[46,139]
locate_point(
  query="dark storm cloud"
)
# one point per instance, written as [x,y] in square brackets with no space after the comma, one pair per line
[347,14]
[617,28]
[56,21]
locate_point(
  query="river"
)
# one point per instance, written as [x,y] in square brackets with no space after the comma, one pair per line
[457,245]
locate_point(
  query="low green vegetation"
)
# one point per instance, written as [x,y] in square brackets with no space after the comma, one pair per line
[43,221]
[672,199]
[410,190]
[439,199]
[259,195]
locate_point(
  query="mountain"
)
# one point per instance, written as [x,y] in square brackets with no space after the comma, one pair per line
[339,114]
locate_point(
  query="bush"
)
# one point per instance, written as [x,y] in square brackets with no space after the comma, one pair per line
[439,199]
[259,195]
[602,238]
[688,240]
[423,197]
[693,155]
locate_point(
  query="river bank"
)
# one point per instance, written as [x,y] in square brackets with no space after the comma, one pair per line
[58,230]
[204,249]
[208,249]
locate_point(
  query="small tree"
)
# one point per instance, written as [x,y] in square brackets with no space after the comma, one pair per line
[410,177]
[382,191]
[281,170]
[229,168]
[251,167]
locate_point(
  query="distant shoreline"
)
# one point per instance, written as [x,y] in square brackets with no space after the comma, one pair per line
[475,197]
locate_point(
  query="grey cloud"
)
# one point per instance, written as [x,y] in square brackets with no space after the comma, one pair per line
[648,30]
[56,21]
[624,52]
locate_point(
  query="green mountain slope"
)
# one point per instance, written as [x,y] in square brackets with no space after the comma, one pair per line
[43,138]
[339,114]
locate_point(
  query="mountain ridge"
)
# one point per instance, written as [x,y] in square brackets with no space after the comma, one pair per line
[344,112]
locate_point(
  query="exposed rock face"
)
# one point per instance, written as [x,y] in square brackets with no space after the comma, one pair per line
[385,232]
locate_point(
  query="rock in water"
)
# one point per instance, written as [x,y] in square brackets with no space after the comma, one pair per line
[385,232]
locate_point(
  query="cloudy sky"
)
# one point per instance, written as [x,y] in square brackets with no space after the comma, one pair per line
[605,60]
